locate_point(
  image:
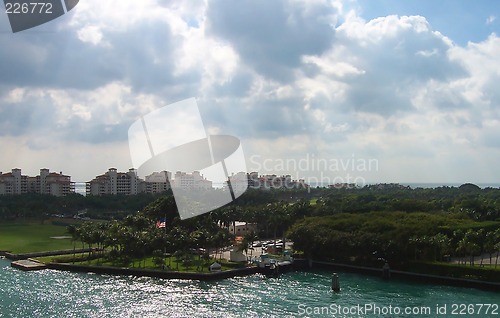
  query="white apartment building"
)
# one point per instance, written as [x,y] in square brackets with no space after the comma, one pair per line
[242,228]
[158,182]
[128,183]
[114,182]
[13,182]
[53,183]
[239,182]
[272,181]
[189,181]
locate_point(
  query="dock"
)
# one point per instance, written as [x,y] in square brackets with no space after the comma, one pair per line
[28,265]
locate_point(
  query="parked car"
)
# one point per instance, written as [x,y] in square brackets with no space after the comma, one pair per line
[198,251]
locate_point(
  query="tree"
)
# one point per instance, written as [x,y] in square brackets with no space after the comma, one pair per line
[489,244]
[441,244]
[469,242]
[158,259]
[250,238]
[71,229]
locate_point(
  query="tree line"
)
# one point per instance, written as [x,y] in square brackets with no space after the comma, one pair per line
[399,237]
[385,221]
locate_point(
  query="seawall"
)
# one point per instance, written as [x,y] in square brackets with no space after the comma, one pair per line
[153,273]
[15,257]
[415,277]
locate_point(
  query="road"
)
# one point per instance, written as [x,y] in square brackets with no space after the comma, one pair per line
[256,252]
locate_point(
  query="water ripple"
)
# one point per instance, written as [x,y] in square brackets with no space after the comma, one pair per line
[52,293]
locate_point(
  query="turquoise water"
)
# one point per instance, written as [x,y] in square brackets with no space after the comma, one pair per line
[50,293]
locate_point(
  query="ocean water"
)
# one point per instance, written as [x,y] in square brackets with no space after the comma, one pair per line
[51,293]
[80,188]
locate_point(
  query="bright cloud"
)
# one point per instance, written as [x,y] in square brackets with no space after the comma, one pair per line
[289,78]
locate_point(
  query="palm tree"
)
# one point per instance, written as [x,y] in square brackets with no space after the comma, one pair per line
[441,244]
[497,245]
[74,236]
[250,238]
[462,250]
[415,241]
[112,235]
[469,242]
[199,239]
[455,239]
[489,244]
[480,239]
[244,244]
[274,218]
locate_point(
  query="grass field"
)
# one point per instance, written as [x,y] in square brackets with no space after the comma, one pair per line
[147,263]
[32,236]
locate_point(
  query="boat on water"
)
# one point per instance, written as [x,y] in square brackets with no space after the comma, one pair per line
[272,267]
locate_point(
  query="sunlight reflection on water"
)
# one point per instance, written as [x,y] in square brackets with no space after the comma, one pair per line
[51,293]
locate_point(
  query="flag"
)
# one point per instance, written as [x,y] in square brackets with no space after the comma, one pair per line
[161,223]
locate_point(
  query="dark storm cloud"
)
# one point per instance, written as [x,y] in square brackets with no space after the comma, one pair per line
[33,115]
[141,56]
[55,60]
[271,36]
[41,118]
[255,119]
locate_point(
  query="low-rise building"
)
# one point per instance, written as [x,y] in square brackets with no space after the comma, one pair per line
[242,228]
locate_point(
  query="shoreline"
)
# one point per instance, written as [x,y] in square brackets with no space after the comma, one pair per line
[403,275]
[125,271]
[22,256]
[298,265]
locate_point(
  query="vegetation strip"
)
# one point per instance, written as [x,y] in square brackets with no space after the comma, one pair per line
[153,273]
[417,277]
[446,231]
[15,257]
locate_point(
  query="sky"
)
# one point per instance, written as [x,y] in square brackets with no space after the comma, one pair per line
[331,91]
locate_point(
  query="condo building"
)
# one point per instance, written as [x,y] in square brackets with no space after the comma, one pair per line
[51,183]
[128,183]
[191,181]
[158,182]
[271,181]
[114,182]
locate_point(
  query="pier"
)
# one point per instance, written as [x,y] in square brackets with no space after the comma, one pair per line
[28,265]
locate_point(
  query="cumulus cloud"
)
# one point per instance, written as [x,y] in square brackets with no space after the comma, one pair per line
[272,36]
[287,77]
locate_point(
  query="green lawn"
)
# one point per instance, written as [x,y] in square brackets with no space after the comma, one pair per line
[27,236]
[147,263]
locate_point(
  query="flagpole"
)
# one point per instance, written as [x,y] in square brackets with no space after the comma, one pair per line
[164,243]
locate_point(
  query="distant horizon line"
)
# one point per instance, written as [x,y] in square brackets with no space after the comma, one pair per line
[480,184]
[427,184]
